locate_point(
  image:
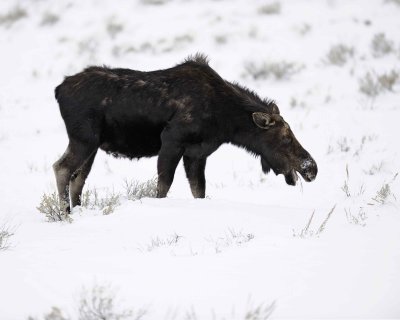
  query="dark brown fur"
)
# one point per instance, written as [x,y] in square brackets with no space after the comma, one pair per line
[186,112]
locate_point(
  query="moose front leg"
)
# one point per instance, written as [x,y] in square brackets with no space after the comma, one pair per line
[168,159]
[195,173]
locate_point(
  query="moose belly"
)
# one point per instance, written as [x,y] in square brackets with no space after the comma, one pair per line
[131,142]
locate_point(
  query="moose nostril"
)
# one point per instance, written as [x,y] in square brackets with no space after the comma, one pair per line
[307,164]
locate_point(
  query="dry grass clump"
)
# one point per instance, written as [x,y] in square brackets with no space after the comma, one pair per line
[369,85]
[388,80]
[6,232]
[97,303]
[12,16]
[231,238]
[339,54]
[155,2]
[306,232]
[346,186]
[101,303]
[136,190]
[358,218]
[54,211]
[384,193]
[374,169]
[157,242]
[271,8]
[282,70]
[51,207]
[373,84]
[114,28]
[260,312]
[49,19]
[91,199]
[381,46]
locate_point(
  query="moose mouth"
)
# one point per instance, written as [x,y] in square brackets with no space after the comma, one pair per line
[291,177]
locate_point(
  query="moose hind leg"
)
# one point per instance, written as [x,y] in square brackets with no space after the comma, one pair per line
[195,173]
[168,159]
[71,160]
[62,174]
[78,180]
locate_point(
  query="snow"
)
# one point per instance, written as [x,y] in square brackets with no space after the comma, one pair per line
[346,271]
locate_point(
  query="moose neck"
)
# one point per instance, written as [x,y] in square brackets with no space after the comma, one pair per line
[242,137]
[241,127]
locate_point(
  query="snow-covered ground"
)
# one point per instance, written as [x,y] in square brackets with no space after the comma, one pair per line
[246,245]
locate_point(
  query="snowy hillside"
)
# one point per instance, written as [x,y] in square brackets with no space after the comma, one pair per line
[247,251]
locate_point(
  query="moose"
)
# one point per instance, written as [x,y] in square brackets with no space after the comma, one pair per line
[186,111]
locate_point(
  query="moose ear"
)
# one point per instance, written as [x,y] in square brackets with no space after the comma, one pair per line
[263,120]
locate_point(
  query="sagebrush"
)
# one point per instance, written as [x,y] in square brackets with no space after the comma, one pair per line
[91,199]
[271,8]
[381,46]
[96,303]
[6,232]
[52,208]
[373,84]
[279,70]
[136,190]
[100,303]
[339,54]
[15,14]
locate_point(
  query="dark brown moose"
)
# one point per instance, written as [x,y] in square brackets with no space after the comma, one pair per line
[186,112]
